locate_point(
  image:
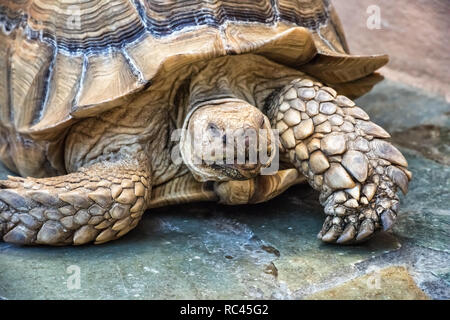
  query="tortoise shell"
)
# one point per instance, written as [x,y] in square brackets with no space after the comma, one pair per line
[61,61]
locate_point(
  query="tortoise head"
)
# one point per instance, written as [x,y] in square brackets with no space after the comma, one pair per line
[229,140]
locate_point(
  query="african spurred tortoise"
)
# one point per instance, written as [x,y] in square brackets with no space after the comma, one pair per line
[94,93]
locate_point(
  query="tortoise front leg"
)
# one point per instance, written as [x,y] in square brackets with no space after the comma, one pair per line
[344,156]
[259,189]
[96,204]
[186,189]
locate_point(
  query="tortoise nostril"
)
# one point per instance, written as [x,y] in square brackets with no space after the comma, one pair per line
[247,141]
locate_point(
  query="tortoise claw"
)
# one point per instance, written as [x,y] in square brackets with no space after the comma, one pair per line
[331,235]
[348,235]
[387,219]
[365,230]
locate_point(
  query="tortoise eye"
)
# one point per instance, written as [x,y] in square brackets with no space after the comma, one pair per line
[213,129]
[262,122]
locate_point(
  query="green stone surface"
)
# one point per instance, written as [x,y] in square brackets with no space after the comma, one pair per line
[264,251]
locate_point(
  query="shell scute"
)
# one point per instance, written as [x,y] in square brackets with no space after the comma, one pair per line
[66,60]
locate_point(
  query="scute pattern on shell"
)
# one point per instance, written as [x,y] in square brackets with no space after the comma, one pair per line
[58,22]
[65,60]
[99,41]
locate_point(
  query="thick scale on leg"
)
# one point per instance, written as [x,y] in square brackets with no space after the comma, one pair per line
[344,155]
[96,204]
[259,189]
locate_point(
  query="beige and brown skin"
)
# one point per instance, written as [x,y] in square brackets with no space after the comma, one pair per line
[116,157]
[92,130]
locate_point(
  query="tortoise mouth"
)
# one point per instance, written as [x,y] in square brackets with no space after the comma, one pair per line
[236,168]
[238,172]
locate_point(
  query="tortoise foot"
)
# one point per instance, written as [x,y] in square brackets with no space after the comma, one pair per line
[344,155]
[352,218]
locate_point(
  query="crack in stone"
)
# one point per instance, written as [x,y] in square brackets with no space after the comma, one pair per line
[422,264]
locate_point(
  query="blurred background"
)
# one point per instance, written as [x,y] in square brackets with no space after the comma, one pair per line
[415,35]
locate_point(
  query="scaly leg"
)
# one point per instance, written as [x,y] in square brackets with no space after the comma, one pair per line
[259,189]
[344,156]
[96,204]
[185,189]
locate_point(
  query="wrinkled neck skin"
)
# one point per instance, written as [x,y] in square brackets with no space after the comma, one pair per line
[144,126]
[249,77]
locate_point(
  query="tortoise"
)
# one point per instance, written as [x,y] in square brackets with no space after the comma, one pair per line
[103,105]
